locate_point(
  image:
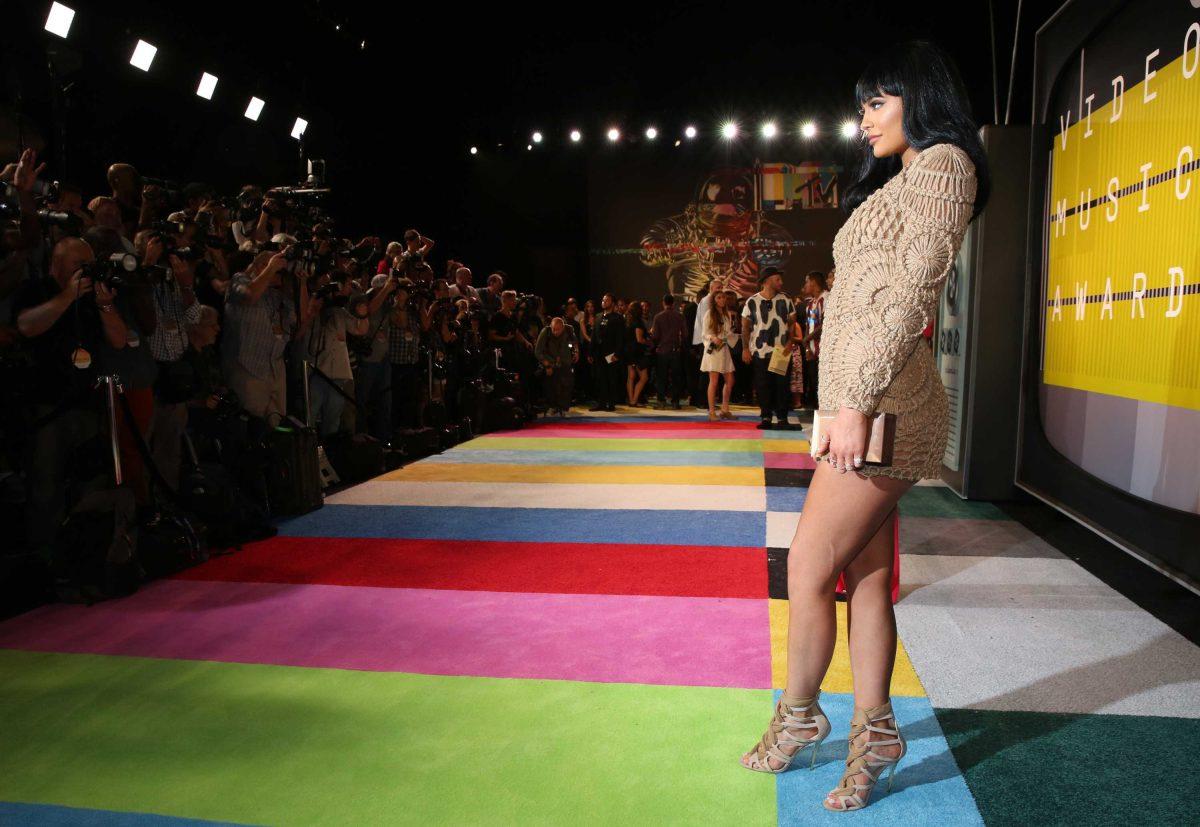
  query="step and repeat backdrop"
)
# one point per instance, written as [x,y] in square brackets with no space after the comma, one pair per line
[1112,382]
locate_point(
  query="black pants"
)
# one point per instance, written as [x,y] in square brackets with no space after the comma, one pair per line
[771,388]
[609,386]
[810,383]
[671,363]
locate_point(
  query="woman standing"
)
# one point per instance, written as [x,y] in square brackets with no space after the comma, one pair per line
[815,290]
[719,337]
[922,179]
[584,368]
[637,353]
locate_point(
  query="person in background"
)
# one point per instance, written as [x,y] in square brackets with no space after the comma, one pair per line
[765,326]
[668,335]
[489,299]
[637,354]
[585,379]
[608,336]
[719,338]
[462,284]
[63,317]
[373,383]
[815,291]
[260,319]
[327,350]
[557,352]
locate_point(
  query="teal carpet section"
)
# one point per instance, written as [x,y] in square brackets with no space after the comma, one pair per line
[1051,768]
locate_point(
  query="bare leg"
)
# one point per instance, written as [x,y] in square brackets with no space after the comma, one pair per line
[712,391]
[842,513]
[727,391]
[630,374]
[643,378]
[872,635]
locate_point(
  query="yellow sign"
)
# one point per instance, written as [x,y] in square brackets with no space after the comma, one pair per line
[1121,309]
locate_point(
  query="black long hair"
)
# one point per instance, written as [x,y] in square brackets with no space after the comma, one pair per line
[936,111]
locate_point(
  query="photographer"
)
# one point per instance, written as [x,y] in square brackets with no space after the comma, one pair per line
[260,319]
[22,239]
[133,363]
[405,326]
[504,332]
[462,284]
[106,213]
[489,299]
[327,350]
[411,262]
[175,308]
[63,326]
[138,206]
[245,221]
[373,381]
[557,352]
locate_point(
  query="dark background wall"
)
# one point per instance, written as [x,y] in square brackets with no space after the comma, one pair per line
[395,120]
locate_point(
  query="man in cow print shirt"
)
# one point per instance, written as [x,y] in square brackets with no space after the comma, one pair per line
[765,325]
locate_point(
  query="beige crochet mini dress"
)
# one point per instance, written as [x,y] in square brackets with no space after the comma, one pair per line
[892,257]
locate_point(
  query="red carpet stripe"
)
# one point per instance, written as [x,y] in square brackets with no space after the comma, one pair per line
[567,568]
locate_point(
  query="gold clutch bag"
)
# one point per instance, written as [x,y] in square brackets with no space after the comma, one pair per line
[880,440]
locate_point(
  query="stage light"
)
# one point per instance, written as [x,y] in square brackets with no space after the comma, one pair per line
[769,130]
[537,137]
[809,129]
[690,132]
[58,21]
[143,55]
[651,133]
[729,130]
[254,109]
[614,134]
[338,28]
[576,136]
[849,129]
[678,142]
[208,84]
[363,46]
[474,150]
[529,146]
[299,127]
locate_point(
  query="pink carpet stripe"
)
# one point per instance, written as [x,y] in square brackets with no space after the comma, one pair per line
[775,459]
[681,641]
[588,431]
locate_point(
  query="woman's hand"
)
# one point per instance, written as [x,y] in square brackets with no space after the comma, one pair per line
[845,444]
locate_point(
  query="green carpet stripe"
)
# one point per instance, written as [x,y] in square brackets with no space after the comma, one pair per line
[1052,768]
[285,745]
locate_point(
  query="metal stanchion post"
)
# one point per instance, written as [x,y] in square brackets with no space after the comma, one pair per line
[111,383]
[307,397]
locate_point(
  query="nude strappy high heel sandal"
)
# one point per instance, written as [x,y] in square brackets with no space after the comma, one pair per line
[784,730]
[864,761]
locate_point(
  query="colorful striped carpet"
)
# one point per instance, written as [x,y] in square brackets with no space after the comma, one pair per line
[579,622]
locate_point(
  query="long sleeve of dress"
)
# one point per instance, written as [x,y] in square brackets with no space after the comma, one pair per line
[899,292]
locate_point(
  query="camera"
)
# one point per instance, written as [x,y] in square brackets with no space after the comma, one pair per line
[115,271]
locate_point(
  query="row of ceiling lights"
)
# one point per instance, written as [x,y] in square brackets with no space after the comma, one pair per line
[59,20]
[730,131]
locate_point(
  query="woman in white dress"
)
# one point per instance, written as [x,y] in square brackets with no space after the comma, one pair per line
[719,337]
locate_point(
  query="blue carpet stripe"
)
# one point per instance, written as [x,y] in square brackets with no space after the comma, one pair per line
[718,528]
[928,788]
[50,815]
[785,499]
[736,459]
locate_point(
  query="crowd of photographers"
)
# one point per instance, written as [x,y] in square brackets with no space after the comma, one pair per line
[209,308]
